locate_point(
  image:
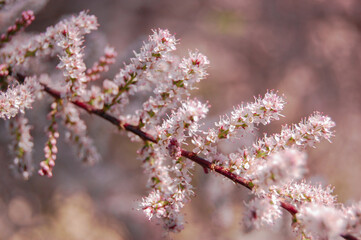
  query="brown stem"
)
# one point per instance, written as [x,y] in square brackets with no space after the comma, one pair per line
[224,171]
[349,237]
[190,155]
[289,207]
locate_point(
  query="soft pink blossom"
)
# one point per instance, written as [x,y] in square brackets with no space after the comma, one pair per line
[321,222]
[18,97]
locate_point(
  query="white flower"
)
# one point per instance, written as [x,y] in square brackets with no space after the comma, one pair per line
[172,85]
[353,219]
[302,192]
[262,212]
[321,222]
[138,75]
[21,146]
[279,168]
[19,97]
[77,135]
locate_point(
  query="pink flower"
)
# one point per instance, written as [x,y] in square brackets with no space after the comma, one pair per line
[262,212]
[279,168]
[18,97]
[21,146]
[321,222]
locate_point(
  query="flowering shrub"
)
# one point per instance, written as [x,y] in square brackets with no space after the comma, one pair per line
[169,126]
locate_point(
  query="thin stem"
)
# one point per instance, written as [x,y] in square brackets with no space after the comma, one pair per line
[348,237]
[187,154]
[222,170]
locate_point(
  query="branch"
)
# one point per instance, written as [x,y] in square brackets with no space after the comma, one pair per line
[349,237]
[187,154]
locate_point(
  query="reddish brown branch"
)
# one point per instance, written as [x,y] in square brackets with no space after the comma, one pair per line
[190,155]
[289,207]
[348,237]
[206,164]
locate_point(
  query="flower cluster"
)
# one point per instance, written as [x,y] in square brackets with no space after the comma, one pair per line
[4,70]
[21,146]
[16,54]
[306,133]
[140,73]
[272,166]
[168,122]
[352,214]
[102,65]
[27,17]
[279,168]
[18,97]
[299,192]
[172,86]
[170,195]
[50,148]
[72,61]
[243,119]
[262,212]
[320,222]
[77,136]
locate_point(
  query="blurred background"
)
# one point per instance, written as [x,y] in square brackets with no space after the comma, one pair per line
[308,50]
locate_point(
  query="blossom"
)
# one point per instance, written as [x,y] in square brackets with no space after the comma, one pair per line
[154,165]
[184,119]
[95,97]
[262,111]
[167,121]
[161,201]
[44,44]
[298,136]
[170,195]
[71,61]
[353,219]
[279,168]
[18,97]
[157,205]
[4,70]
[262,212]
[242,119]
[301,192]
[172,86]
[102,65]
[110,87]
[138,75]
[321,222]
[50,148]
[27,17]
[76,134]
[194,67]
[306,133]
[21,146]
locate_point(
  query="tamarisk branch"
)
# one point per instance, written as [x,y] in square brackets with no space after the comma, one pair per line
[187,154]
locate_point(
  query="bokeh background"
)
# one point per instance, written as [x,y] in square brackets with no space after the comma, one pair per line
[308,50]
